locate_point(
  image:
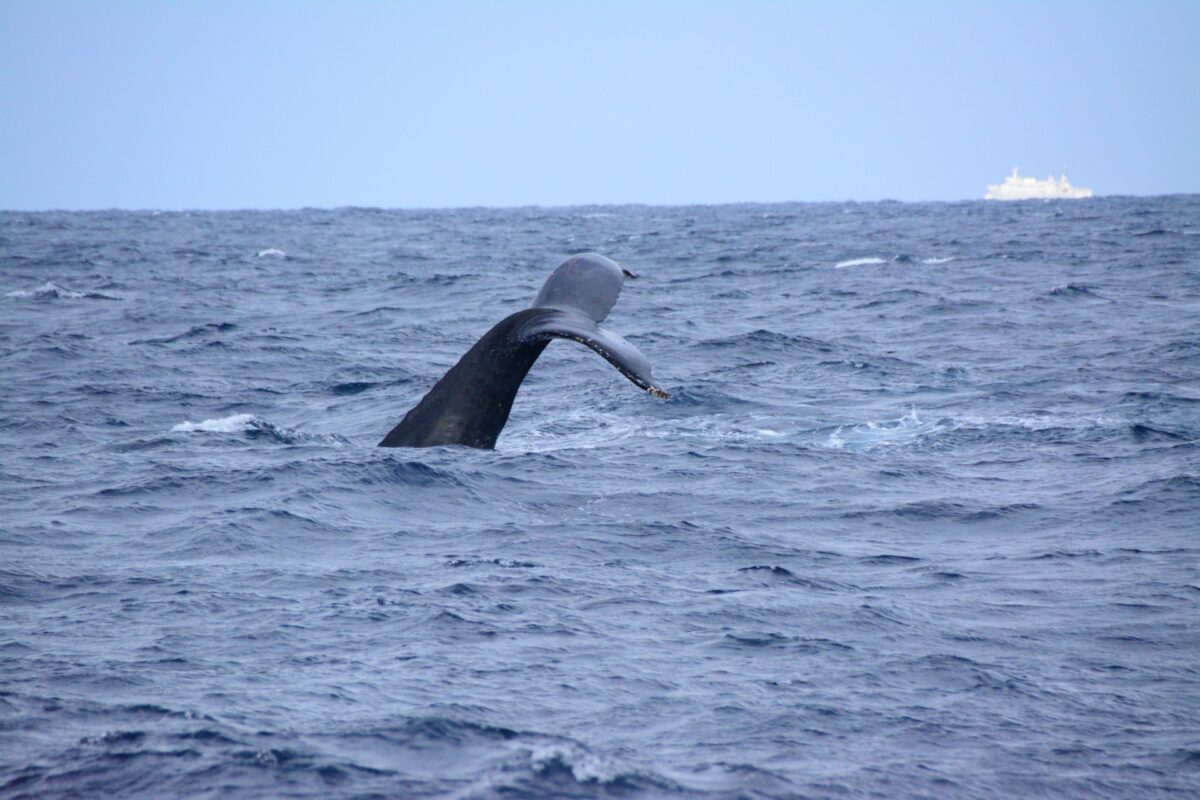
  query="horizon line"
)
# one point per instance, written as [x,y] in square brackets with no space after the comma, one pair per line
[518,206]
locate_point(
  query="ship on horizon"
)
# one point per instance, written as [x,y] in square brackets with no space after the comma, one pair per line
[1016,187]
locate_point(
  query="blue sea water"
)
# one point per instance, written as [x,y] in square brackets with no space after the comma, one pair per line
[920,518]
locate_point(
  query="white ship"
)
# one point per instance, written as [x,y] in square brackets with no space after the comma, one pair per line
[1016,187]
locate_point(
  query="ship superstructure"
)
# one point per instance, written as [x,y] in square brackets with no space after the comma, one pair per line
[1017,187]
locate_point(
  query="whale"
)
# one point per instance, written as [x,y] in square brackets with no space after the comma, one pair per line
[470,405]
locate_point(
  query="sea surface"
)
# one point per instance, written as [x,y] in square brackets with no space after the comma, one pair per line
[921,517]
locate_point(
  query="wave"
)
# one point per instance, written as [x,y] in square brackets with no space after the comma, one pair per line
[869,435]
[915,427]
[960,429]
[51,290]
[237,423]
[584,765]
[901,258]
[1073,290]
[859,262]
[768,340]
[352,387]
[960,511]
[773,573]
[254,428]
[271,252]
[500,761]
[1175,494]
[1148,433]
[198,330]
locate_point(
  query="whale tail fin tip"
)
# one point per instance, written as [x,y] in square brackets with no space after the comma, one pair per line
[615,349]
[587,283]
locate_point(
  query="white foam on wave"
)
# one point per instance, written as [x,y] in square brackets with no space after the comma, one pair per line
[582,428]
[1042,422]
[869,435]
[47,289]
[719,429]
[935,260]
[913,427]
[585,767]
[257,428]
[237,423]
[859,262]
[272,252]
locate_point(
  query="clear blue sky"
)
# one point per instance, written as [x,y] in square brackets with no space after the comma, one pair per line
[289,104]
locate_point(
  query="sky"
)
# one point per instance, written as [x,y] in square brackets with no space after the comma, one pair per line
[289,104]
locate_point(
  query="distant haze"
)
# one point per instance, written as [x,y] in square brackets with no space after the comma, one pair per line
[289,104]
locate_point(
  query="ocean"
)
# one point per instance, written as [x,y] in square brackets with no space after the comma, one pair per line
[919,519]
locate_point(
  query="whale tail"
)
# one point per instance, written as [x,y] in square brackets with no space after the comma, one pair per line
[471,403]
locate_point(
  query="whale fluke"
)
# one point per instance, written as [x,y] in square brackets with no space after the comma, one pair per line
[470,404]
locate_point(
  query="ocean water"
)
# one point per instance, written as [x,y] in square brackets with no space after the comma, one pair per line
[920,518]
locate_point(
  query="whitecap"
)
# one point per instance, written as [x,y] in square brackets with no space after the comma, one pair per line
[237,423]
[272,252]
[255,428]
[859,262]
[1044,422]
[585,766]
[935,260]
[47,289]
[890,433]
